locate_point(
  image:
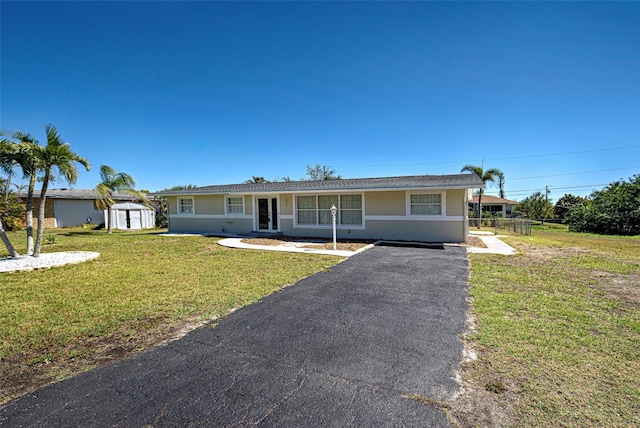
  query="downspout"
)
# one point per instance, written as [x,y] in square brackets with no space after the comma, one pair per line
[168,216]
[465,211]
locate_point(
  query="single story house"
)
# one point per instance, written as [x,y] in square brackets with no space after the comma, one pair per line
[428,208]
[493,205]
[76,207]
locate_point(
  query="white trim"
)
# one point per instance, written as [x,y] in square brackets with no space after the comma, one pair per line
[286,217]
[226,205]
[329,227]
[414,218]
[296,225]
[193,206]
[443,204]
[256,211]
[244,216]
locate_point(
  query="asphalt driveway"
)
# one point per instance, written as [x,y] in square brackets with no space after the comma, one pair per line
[344,347]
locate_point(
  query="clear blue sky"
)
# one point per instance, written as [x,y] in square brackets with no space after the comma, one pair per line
[213,93]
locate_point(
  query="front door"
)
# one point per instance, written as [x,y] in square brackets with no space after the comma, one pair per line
[268,214]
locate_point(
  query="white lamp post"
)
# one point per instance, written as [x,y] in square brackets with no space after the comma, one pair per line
[334,210]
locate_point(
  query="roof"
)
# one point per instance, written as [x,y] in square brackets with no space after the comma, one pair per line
[488,199]
[130,206]
[455,181]
[81,194]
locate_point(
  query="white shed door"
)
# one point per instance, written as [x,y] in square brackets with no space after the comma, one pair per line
[135,218]
[122,220]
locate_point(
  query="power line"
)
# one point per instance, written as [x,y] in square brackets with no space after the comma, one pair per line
[488,159]
[575,173]
[551,188]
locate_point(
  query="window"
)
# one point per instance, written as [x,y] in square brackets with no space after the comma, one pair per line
[351,209]
[235,205]
[316,210]
[306,210]
[325,202]
[185,205]
[426,204]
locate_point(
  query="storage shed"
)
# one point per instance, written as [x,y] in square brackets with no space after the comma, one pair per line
[132,216]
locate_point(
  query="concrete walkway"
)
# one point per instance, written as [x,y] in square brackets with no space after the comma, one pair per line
[493,243]
[494,246]
[288,247]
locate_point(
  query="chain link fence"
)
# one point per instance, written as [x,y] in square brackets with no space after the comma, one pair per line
[521,226]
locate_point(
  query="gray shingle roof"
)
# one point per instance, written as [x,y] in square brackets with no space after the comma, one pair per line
[349,184]
[82,194]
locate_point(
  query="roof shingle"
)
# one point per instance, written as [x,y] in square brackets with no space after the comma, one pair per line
[349,184]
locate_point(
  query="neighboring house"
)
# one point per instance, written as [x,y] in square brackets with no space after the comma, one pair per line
[429,208]
[75,207]
[493,205]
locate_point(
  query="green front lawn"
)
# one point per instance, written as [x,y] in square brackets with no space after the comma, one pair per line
[557,326]
[558,333]
[142,289]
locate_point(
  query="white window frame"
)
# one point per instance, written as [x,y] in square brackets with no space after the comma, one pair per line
[443,203]
[317,224]
[193,205]
[226,205]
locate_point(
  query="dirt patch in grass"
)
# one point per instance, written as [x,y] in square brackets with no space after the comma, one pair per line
[315,243]
[557,334]
[327,244]
[84,354]
[474,241]
[624,288]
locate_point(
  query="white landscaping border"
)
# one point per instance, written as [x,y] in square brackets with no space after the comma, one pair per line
[45,261]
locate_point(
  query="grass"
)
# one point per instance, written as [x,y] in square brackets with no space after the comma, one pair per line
[558,332]
[142,289]
[557,335]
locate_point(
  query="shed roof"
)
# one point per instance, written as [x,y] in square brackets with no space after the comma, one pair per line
[453,181]
[130,206]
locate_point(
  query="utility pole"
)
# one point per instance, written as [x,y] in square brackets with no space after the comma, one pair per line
[546,203]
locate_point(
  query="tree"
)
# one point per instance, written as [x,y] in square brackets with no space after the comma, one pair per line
[28,157]
[614,210]
[321,173]
[567,203]
[535,206]
[58,157]
[161,202]
[113,181]
[485,176]
[7,151]
[500,177]
[255,179]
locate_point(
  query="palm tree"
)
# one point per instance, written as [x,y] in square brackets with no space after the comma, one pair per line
[7,160]
[113,181]
[485,176]
[28,157]
[255,179]
[7,153]
[57,156]
[500,176]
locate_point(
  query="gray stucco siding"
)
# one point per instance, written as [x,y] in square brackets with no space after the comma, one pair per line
[197,224]
[404,230]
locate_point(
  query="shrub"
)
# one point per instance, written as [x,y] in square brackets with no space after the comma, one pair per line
[615,210]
